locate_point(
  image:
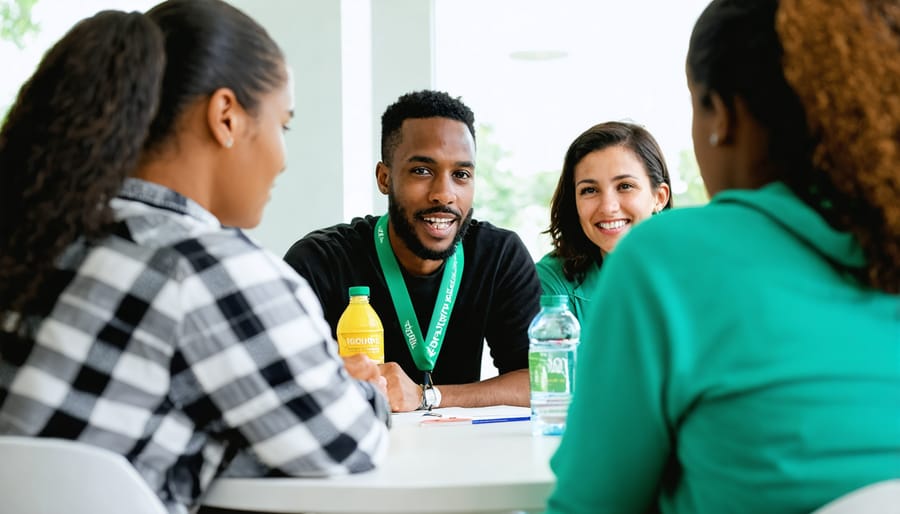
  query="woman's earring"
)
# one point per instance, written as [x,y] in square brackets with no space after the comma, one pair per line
[714,139]
[229,143]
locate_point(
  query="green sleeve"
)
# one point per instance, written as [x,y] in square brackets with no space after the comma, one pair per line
[553,281]
[617,440]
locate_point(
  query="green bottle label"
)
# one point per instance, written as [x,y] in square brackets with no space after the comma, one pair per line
[549,372]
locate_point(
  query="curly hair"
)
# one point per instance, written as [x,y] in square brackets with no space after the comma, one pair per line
[420,104]
[73,135]
[842,57]
[822,78]
[569,241]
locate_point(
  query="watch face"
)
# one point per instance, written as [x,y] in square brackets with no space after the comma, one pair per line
[430,397]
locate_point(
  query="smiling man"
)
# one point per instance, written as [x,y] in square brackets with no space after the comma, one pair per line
[441,282]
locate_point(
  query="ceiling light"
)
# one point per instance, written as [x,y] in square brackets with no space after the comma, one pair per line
[538,55]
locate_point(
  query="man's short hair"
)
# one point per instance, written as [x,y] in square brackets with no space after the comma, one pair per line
[420,104]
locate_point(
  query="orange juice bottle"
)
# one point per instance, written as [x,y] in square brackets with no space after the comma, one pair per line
[359,330]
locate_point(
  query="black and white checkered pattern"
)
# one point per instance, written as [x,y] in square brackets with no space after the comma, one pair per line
[182,345]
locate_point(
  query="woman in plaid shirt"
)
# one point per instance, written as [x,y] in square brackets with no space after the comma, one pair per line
[135,314]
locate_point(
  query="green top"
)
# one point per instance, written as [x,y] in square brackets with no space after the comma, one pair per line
[734,366]
[359,291]
[554,282]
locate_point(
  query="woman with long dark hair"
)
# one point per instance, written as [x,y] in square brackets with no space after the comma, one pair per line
[135,314]
[614,176]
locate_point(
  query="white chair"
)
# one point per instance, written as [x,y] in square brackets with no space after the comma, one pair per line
[50,476]
[877,498]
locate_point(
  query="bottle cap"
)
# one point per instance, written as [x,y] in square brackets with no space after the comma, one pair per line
[359,291]
[553,300]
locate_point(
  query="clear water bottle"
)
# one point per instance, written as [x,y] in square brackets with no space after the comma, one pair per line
[553,336]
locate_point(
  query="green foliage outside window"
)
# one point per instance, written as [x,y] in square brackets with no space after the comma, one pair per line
[15,21]
[503,197]
[15,26]
[689,173]
[522,203]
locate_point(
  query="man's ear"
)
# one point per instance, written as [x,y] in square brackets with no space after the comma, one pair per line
[225,117]
[383,177]
[722,121]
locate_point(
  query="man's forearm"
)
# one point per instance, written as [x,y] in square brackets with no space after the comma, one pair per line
[508,389]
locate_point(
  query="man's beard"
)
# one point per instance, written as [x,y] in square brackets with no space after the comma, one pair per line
[407,232]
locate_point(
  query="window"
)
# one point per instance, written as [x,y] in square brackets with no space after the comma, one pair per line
[539,73]
[52,19]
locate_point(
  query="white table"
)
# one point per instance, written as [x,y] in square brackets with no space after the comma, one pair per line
[487,468]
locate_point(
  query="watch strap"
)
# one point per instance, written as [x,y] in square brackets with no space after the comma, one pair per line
[431,397]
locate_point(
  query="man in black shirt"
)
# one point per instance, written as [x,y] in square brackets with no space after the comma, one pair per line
[437,303]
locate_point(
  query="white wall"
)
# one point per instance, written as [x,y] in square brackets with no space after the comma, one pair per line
[350,59]
[402,60]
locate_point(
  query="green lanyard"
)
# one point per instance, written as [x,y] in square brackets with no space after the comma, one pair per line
[425,354]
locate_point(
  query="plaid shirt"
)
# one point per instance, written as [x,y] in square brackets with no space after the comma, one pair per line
[185,347]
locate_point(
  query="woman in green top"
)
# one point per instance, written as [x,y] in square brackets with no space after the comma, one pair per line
[751,359]
[613,176]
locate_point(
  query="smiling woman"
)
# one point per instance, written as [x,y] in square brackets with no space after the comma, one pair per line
[614,176]
[613,191]
[538,73]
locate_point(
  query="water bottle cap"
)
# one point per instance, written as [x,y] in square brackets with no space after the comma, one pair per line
[359,291]
[553,300]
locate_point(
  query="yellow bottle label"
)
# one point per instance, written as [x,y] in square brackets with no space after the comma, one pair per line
[369,343]
[360,331]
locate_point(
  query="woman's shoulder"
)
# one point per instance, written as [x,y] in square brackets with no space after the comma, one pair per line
[687,229]
[550,264]
[735,221]
[679,245]
[550,261]
[730,242]
[550,273]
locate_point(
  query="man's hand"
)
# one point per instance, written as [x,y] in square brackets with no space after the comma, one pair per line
[361,367]
[404,395]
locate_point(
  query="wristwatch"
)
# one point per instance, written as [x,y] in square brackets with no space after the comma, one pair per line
[431,397]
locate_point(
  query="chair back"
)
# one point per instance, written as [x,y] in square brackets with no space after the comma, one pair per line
[50,476]
[877,498]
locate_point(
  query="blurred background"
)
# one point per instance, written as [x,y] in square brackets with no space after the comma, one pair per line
[536,73]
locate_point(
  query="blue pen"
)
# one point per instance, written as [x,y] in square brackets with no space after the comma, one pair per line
[500,420]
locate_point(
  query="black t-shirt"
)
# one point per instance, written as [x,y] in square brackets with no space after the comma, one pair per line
[498,295]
